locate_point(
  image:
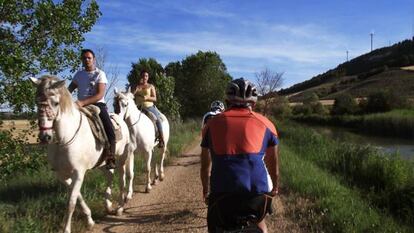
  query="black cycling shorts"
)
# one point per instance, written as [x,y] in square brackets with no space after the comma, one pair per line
[225,209]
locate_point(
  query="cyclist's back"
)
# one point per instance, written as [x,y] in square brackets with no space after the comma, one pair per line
[238,141]
[237,137]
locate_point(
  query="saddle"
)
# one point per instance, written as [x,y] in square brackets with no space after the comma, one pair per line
[95,122]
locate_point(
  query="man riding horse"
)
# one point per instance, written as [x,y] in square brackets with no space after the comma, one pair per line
[91,83]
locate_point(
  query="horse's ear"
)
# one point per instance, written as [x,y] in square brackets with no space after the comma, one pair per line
[116,91]
[35,80]
[129,89]
[58,84]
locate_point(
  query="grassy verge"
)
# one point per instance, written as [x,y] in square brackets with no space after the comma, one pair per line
[337,208]
[384,184]
[398,123]
[36,202]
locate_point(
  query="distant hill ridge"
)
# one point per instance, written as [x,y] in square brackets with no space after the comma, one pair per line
[361,75]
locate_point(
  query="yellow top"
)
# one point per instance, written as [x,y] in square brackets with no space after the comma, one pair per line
[139,97]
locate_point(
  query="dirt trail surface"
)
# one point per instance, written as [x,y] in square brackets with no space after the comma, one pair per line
[175,205]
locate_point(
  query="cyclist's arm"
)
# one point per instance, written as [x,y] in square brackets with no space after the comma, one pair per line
[272,164]
[205,170]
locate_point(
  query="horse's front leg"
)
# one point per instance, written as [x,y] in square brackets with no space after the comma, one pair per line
[86,211]
[121,170]
[75,187]
[162,175]
[148,156]
[84,206]
[130,175]
[108,191]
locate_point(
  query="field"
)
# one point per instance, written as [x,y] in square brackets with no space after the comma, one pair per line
[20,128]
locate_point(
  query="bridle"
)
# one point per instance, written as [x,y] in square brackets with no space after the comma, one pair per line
[44,110]
[117,108]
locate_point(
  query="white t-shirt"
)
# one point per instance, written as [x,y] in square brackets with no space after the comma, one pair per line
[87,82]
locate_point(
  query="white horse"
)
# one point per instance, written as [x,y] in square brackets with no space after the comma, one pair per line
[74,150]
[142,132]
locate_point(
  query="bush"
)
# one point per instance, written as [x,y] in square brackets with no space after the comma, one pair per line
[280,108]
[384,101]
[302,110]
[344,104]
[16,156]
[387,182]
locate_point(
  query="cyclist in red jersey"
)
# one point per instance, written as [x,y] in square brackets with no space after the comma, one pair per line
[239,160]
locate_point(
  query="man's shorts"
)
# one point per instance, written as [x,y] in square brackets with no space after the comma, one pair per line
[225,210]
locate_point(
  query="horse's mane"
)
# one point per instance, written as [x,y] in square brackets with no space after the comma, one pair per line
[66,101]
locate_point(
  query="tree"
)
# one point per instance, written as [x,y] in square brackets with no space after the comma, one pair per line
[202,79]
[280,107]
[166,101]
[39,36]
[267,82]
[174,69]
[344,104]
[150,65]
[310,98]
[385,100]
[112,73]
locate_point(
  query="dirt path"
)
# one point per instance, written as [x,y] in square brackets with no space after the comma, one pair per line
[175,204]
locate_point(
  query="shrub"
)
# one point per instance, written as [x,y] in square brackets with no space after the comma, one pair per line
[384,101]
[15,155]
[344,104]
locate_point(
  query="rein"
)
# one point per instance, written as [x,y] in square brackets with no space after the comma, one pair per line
[76,133]
[139,117]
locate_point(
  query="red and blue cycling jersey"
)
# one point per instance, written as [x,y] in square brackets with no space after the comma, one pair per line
[237,140]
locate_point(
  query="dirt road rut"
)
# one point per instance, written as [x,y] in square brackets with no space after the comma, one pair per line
[175,205]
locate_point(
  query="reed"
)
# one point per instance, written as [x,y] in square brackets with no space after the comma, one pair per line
[386,181]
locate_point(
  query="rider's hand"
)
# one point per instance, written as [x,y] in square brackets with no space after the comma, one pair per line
[79,103]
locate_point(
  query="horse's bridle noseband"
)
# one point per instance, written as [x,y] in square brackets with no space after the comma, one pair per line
[45,110]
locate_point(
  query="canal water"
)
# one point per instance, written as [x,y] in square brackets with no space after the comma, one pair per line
[405,147]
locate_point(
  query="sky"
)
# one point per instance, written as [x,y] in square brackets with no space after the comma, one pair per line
[299,38]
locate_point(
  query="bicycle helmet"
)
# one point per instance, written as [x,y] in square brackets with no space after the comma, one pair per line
[241,92]
[217,105]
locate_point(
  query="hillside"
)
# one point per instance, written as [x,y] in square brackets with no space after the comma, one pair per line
[384,68]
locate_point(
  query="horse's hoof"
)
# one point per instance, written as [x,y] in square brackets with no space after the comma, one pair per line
[162,177]
[109,209]
[119,211]
[91,224]
[128,197]
[148,190]
[155,181]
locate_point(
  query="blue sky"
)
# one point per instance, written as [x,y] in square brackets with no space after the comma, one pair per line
[300,38]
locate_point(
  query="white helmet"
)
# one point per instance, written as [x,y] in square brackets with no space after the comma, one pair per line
[241,92]
[217,105]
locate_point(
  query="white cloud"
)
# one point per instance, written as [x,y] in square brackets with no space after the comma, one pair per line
[297,49]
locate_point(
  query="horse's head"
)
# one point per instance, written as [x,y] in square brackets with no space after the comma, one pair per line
[49,101]
[122,102]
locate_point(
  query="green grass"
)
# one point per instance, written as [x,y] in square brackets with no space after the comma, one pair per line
[35,201]
[338,208]
[384,183]
[396,122]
